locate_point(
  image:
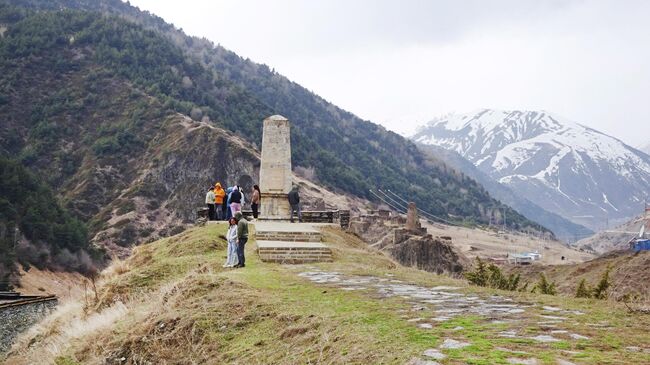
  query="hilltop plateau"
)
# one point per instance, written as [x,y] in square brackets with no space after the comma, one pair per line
[172,300]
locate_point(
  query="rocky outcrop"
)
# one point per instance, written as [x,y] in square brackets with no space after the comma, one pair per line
[184,158]
[410,247]
[427,253]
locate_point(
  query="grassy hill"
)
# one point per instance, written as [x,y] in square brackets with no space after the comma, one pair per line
[172,302]
[85,92]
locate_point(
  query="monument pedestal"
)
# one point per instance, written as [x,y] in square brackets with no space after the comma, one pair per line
[274,206]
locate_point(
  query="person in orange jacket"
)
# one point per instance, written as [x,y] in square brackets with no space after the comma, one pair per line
[219,195]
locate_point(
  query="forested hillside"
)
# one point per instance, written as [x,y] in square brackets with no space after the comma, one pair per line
[92,104]
[88,98]
[36,230]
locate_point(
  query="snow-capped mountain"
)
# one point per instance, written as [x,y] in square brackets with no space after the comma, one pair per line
[646,149]
[564,229]
[569,169]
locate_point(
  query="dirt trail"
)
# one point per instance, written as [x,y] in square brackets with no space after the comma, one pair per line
[65,285]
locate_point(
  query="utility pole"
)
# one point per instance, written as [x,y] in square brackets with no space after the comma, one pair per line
[646,210]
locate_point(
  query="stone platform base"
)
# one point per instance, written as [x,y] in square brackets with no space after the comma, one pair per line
[290,243]
[283,231]
[293,252]
[274,206]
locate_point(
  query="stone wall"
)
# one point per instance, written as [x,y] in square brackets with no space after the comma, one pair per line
[16,319]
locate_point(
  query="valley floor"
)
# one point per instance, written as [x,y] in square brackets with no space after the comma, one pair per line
[172,302]
[475,242]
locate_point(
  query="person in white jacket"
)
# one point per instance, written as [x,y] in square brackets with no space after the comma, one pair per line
[231,236]
[243,197]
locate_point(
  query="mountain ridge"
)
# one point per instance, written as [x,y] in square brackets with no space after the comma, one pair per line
[646,149]
[564,229]
[103,109]
[534,152]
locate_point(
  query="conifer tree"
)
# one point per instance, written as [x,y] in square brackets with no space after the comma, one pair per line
[544,286]
[480,275]
[600,291]
[583,290]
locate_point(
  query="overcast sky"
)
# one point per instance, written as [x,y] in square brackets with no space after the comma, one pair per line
[401,63]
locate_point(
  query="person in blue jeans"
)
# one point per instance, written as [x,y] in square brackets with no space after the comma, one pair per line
[228,211]
[242,238]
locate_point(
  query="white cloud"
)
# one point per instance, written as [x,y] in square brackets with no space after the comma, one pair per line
[400,63]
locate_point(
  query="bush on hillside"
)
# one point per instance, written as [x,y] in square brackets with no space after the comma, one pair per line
[597,292]
[583,290]
[543,286]
[491,276]
[600,290]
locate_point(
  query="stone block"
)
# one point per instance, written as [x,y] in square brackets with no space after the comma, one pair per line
[401,235]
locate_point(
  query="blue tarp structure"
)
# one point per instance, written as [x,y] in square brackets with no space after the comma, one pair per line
[641,245]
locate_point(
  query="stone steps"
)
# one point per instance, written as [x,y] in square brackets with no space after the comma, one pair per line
[288,236]
[287,243]
[293,252]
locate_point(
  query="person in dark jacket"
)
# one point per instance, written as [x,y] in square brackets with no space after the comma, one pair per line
[242,238]
[235,200]
[294,202]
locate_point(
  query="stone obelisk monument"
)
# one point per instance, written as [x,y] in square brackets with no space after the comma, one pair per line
[275,169]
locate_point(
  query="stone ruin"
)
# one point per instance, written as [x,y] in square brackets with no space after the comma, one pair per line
[412,220]
[406,241]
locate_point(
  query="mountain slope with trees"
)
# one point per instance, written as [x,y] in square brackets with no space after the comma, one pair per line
[94,103]
[36,230]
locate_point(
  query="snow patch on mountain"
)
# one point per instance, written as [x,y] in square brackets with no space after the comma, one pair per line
[561,165]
